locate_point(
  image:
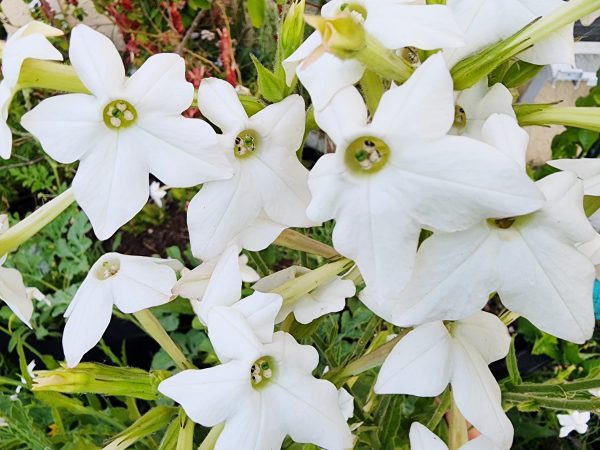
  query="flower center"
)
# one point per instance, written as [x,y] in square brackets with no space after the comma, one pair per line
[503,224]
[356,11]
[367,154]
[245,144]
[460,117]
[262,371]
[411,54]
[119,114]
[107,269]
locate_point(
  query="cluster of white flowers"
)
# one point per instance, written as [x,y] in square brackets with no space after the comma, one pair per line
[427,158]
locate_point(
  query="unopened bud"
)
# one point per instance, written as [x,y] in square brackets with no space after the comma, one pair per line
[292,30]
[100,379]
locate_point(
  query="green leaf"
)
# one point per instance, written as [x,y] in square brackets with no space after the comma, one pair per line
[257,10]
[269,86]
[512,365]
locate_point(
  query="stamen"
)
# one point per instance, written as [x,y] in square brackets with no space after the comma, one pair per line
[108,269]
[245,144]
[460,117]
[119,114]
[367,154]
[262,371]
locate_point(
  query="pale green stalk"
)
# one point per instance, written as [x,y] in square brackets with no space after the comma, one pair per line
[26,228]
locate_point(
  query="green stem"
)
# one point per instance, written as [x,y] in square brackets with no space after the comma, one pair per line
[259,262]
[384,62]
[293,290]
[555,388]
[210,440]
[366,362]
[152,326]
[457,428]
[578,117]
[553,403]
[185,440]
[441,410]
[33,223]
[474,68]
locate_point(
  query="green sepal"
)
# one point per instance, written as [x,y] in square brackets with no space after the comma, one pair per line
[270,87]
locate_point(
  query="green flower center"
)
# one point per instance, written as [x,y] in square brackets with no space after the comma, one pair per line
[108,268]
[262,372]
[411,54]
[460,117]
[245,144]
[119,114]
[367,155]
[354,9]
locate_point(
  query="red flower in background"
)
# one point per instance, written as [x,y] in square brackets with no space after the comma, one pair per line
[227,56]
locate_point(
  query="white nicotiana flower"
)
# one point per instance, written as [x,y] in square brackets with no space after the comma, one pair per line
[12,288]
[421,438]
[486,22]
[157,193]
[434,355]
[29,41]
[224,287]
[588,169]
[400,173]
[394,23]
[3,422]
[193,283]
[531,261]
[131,283]
[595,392]
[268,191]
[126,129]
[327,298]
[264,388]
[474,106]
[574,421]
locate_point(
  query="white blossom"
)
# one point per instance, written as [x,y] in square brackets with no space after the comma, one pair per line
[434,355]
[394,23]
[327,298]
[193,283]
[131,283]
[474,106]
[486,22]
[400,173]
[264,388]
[531,261]
[574,421]
[124,130]
[29,41]
[223,288]
[268,191]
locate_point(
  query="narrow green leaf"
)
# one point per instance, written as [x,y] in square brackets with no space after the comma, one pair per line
[512,365]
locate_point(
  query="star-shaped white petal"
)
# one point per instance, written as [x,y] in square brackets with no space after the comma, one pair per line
[124,130]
